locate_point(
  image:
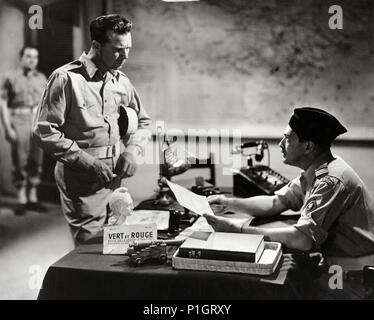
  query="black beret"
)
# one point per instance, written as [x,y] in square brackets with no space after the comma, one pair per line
[315,125]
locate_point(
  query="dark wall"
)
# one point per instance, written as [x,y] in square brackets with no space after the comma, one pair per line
[55,41]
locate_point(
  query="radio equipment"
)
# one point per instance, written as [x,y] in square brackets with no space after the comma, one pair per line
[254,180]
[257,180]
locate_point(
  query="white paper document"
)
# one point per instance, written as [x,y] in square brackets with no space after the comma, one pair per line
[188,199]
[161,218]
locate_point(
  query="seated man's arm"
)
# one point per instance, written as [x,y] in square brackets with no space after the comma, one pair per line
[259,206]
[289,197]
[289,236]
[323,207]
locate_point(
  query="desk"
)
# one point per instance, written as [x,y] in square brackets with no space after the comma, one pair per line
[85,273]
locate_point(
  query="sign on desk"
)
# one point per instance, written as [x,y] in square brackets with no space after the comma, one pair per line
[118,238]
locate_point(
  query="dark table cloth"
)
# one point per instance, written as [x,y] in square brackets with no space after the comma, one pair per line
[85,273]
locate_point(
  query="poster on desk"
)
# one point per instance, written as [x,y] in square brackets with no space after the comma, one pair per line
[116,239]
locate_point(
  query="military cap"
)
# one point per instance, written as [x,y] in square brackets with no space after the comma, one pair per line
[316,125]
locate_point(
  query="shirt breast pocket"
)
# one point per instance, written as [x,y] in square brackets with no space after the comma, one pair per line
[87,114]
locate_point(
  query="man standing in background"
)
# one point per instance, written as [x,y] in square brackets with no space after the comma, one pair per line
[87,112]
[20,93]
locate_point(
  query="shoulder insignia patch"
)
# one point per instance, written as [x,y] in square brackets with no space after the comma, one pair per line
[330,181]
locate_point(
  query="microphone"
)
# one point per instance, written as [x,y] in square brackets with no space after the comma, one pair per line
[238,148]
[260,147]
[250,144]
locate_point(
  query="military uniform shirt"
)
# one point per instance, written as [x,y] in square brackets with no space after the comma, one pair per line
[23,90]
[337,211]
[81,107]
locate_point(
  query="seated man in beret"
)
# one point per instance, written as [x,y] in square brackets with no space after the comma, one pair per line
[337,211]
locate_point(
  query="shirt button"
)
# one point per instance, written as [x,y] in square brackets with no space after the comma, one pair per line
[105,101]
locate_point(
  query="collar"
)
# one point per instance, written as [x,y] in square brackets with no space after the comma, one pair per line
[307,178]
[115,74]
[322,170]
[315,171]
[309,175]
[88,64]
[91,67]
[31,73]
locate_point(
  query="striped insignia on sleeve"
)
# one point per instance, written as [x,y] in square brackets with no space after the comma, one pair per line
[322,170]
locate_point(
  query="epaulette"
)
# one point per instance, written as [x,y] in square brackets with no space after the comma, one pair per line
[71,65]
[121,73]
[322,171]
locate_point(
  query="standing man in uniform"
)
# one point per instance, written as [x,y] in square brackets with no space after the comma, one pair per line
[21,91]
[92,121]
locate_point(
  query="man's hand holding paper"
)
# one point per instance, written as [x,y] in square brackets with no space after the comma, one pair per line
[194,202]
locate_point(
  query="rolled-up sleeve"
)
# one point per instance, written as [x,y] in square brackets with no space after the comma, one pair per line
[291,195]
[141,137]
[50,118]
[322,208]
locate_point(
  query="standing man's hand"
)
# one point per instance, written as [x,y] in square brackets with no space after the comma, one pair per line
[95,166]
[10,135]
[103,173]
[126,165]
